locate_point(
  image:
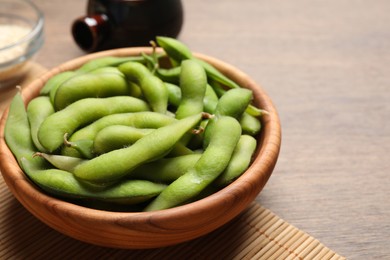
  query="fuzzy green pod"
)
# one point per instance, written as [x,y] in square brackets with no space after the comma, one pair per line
[53,128]
[105,168]
[240,161]
[63,184]
[105,84]
[233,103]
[116,137]
[174,48]
[211,164]
[166,170]
[38,109]
[153,88]
[87,134]
[54,82]
[17,132]
[193,82]
[107,62]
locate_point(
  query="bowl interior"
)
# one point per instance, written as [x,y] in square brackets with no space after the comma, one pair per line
[148,229]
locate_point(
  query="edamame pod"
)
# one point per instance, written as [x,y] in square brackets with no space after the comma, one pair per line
[90,85]
[38,109]
[174,48]
[240,161]
[153,88]
[170,75]
[116,137]
[174,94]
[106,70]
[84,147]
[179,52]
[54,82]
[119,136]
[52,130]
[166,170]
[193,82]
[151,147]
[250,125]
[210,100]
[64,184]
[216,75]
[61,162]
[145,119]
[17,132]
[233,103]
[211,164]
[107,61]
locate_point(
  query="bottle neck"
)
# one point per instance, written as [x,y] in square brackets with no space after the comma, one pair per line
[89,32]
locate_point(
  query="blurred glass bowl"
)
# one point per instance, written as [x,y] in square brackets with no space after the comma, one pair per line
[21,36]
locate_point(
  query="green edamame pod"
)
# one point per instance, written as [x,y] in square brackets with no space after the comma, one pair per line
[101,70]
[119,136]
[84,147]
[255,111]
[134,90]
[90,85]
[233,103]
[151,147]
[251,109]
[64,184]
[216,75]
[193,82]
[166,170]
[174,48]
[150,62]
[240,161]
[153,88]
[210,100]
[61,162]
[171,75]
[211,164]
[17,132]
[116,137]
[137,119]
[179,52]
[107,62]
[54,82]
[52,130]
[174,94]
[250,125]
[38,109]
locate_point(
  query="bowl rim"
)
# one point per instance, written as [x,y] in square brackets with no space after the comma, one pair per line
[264,159]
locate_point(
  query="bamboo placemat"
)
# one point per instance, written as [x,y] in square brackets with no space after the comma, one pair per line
[255,234]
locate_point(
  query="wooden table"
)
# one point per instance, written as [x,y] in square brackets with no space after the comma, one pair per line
[326,65]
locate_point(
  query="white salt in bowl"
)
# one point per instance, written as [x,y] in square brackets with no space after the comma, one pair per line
[21,36]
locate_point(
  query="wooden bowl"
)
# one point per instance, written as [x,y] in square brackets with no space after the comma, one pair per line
[137,230]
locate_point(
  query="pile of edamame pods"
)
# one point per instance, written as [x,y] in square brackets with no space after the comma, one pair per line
[127,131]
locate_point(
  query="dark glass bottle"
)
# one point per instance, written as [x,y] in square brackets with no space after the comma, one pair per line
[125,23]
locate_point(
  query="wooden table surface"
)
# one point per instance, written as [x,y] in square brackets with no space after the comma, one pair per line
[326,65]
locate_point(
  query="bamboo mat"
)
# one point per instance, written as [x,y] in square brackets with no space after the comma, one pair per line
[255,234]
